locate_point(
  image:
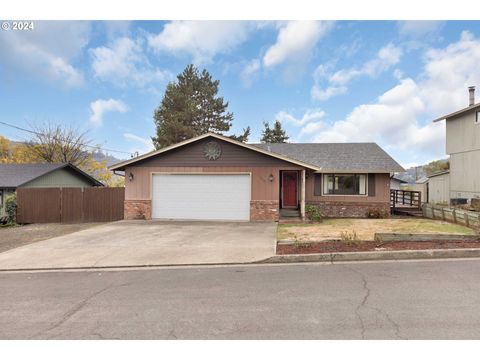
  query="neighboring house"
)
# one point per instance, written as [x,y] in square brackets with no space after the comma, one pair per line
[212,177]
[439,188]
[13,176]
[395,183]
[463,146]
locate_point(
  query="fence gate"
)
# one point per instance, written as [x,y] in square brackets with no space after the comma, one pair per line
[69,205]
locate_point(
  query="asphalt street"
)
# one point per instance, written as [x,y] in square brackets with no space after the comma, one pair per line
[377,300]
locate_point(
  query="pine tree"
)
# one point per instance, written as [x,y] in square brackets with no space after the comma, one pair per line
[191,107]
[243,137]
[275,135]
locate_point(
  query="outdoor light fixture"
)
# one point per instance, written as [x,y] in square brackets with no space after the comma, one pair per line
[270,178]
[130,177]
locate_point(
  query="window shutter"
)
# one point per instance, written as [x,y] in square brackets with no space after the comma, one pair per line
[317,190]
[371,184]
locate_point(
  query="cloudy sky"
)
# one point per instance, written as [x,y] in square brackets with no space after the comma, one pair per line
[325,81]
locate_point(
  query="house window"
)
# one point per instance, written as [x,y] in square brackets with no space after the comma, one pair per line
[345,184]
[477,117]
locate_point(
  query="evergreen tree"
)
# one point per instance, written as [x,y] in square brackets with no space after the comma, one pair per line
[191,107]
[243,137]
[275,135]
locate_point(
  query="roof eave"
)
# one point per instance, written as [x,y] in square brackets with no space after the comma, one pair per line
[459,112]
[361,171]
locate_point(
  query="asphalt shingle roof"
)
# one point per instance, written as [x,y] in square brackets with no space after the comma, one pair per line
[342,157]
[14,175]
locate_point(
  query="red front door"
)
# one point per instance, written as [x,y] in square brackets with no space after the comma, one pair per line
[289,188]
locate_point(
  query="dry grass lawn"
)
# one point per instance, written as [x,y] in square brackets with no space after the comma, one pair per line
[366,228]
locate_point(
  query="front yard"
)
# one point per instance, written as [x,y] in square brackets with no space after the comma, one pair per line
[353,235]
[365,229]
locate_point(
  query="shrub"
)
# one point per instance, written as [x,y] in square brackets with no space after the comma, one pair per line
[313,213]
[11,207]
[300,244]
[376,213]
[349,238]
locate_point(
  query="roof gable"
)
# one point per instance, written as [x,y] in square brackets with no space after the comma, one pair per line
[15,175]
[190,160]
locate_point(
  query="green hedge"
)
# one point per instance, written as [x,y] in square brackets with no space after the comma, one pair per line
[11,207]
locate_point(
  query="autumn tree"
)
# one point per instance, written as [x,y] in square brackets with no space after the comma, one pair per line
[274,135]
[436,166]
[58,144]
[55,143]
[191,107]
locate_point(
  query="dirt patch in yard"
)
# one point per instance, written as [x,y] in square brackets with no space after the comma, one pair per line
[15,236]
[338,246]
[365,229]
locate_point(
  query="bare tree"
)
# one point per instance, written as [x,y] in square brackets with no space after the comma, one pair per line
[55,143]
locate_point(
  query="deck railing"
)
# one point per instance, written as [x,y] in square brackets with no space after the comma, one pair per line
[405,198]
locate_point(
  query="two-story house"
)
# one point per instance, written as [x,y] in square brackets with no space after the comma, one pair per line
[463,146]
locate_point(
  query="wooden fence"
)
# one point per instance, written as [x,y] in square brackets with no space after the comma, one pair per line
[457,216]
[405,198]
[69,205]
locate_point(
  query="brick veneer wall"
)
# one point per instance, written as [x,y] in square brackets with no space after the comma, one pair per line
[350,209]
[137,209]
[264,210]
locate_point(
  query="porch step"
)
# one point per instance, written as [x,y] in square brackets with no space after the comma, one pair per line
[289,213]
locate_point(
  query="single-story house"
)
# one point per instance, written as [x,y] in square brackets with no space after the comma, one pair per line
[396,183]
[439,187]
[13,176]
[212,177]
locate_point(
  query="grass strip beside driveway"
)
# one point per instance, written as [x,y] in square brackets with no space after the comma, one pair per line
[366,228]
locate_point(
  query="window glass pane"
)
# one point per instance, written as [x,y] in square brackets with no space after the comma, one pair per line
[362,186]
[346,184]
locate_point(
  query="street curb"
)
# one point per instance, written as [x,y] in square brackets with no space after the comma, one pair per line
[285,259]
[374,255]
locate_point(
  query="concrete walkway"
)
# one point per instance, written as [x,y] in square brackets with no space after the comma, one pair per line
[137,243]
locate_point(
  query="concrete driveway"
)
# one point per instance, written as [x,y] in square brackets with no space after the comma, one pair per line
[137,243]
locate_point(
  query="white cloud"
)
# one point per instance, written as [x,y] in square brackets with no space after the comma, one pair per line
[392,121]
[295,40]
[100,107]
[249,71]
[48,51]
[141,145]
[318,93]
[200,39]
[311,128]
[309,115]
[448,72]
[124,64]
[400,119]
[386,57]
[419,28]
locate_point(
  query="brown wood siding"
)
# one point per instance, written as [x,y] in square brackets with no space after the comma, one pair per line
[191,155]
[50,205]
[382,191]
[262,188]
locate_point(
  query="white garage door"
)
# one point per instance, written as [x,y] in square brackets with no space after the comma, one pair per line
[201,197]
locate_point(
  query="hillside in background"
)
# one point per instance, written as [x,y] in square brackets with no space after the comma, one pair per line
[414,173]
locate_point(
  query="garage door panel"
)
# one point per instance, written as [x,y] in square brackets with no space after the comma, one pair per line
[201,197]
